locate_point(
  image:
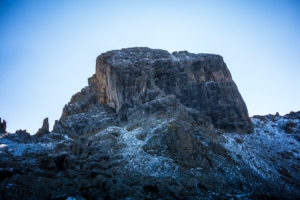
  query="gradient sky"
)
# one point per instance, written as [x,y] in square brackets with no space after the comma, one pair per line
[48,48]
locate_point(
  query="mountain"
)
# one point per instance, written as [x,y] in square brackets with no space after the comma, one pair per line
[155,125]
[135,83]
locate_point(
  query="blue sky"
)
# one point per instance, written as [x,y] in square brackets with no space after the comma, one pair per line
[48,48]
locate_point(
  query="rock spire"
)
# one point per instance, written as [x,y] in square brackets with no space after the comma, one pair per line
[45,128]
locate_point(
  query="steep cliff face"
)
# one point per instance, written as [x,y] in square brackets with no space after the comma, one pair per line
[128,79]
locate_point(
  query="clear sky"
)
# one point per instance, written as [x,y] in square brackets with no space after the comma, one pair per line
[48,48]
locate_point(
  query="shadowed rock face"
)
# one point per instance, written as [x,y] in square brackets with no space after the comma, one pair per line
[2,126]
[45,128]
[128,78]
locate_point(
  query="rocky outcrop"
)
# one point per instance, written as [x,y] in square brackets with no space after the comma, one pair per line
[83,115]
[44,129]
[292,127]
[2,126]
[20,136]
[128,80]
[155,125]
[158,157]
[288,123]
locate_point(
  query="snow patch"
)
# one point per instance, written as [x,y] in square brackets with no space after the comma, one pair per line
[174,58]
[139,160]
[18,149]
[262,149]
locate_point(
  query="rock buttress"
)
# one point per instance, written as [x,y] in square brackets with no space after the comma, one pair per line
[128,78]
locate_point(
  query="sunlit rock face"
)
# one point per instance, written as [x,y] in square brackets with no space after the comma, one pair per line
[155,125]
[127,79]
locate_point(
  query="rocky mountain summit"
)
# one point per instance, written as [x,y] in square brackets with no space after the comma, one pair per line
[155,125]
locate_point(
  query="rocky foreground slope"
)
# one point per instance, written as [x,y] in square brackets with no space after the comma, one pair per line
[155,125]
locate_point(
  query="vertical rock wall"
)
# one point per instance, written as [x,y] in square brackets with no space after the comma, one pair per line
[128,78]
